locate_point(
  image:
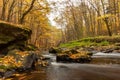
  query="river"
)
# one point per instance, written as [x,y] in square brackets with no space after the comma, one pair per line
[73,71]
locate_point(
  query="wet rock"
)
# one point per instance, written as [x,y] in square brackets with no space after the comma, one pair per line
[81,57]
[20,69]
[9,73]
[1,74]
[63,58]
[110,50]
[30,61]
[66,58]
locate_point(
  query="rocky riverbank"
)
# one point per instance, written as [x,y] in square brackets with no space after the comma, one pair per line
[15,54]
[81,51]
[20,62]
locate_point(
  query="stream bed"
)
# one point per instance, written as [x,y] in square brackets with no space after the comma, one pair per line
[74,71]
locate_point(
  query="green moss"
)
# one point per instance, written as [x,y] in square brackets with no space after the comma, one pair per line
[104,43]
[3,67]
[92,41]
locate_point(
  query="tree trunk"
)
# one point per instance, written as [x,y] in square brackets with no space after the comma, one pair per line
[4,9]
[26,12]
[10,10]
[108,27]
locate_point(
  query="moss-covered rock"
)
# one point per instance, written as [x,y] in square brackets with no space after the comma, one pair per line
[78,57]
[11,34]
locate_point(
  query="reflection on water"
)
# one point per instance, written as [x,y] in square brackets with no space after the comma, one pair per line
[83,72]
[60,71]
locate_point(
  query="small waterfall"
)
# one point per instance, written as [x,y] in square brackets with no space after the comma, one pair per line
[50,57]
[108,55]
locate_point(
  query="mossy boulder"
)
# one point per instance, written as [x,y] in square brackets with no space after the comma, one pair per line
[78,57]
[12,34]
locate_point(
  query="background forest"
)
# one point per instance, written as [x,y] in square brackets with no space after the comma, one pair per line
[89,18]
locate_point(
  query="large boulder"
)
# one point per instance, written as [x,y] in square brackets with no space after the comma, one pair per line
[13,35]
[78,57]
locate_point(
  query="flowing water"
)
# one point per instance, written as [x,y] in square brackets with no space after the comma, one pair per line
[75,71]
